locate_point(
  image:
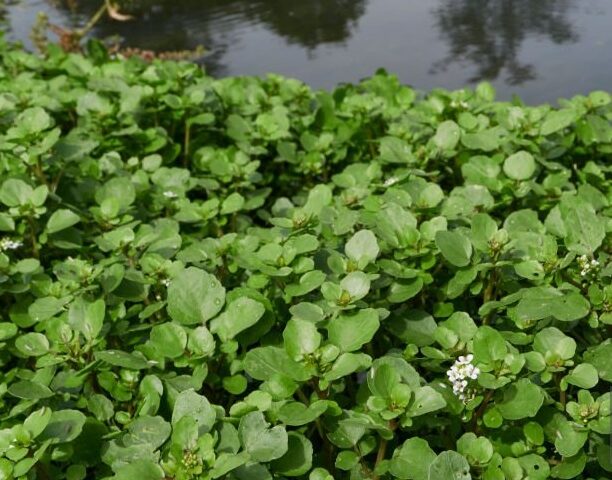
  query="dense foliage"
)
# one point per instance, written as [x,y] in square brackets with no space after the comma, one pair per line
[247,279]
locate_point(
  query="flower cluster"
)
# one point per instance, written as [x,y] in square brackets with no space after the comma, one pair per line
[460,373]
[586,265]
[170,194]
[8,244]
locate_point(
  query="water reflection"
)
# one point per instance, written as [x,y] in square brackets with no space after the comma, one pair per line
[538,49]
[216,24]
[490,34]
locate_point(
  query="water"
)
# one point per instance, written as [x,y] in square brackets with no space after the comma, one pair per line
[539,49]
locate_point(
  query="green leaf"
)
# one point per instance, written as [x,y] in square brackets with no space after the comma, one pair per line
[262,363]
[139,468]
[194,297]
[7,330]
[362,248]
[478,450]
[308,282]
[542,302]
[585,230]
[426,400]
[122,359]
[32,344]
[489,345]
[447,135]
[29,390]
[570,467]
[601,358]
[583,376]
[404,290]
[449,465]
[553,341]
[350,332]
[190,404]
[46,307]
[37,421]
[483,230]
[521,399]
[455,248]
[520,166]
[7,224]
[570,438]
[485,140]
[15,192]
[168,339]
[233,203]
[346,460]
[297,460]
[414,326]
[62,219]
[557,120]
[239,315]
[356,284]
[300,338]
[87,317]
[412,460]
[262,443]
[153,431]
[297,414]
[64,426]
[225,463]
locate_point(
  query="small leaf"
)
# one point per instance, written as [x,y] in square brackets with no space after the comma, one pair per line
[522,399]
[455,248]
[32,344]
[350,332]
[197,407]
[362,248]
[168,339]
[449,465]
[262,443]
[520,166]
[29,390]
[62,219]
[412,460]
[447,135]
[240,314]
[194,297]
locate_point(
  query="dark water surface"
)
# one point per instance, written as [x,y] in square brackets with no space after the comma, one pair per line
[538,49]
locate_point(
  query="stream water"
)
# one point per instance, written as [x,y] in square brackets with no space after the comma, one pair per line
[539,49]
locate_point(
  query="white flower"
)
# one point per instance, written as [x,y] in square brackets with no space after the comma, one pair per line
[170,194]
[165,282]
[460,373]
[8,244]
[587,266]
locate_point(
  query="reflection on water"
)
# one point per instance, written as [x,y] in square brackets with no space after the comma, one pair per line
[540,49]
[490,33]
[217,24]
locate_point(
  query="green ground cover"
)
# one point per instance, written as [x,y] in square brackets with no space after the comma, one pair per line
[247,279]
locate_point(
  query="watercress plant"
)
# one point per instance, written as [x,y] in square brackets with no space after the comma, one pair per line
[247,279]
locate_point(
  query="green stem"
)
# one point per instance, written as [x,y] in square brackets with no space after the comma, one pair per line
[380,456]
[479,413]
[186,142]
[93,20]
[33,237]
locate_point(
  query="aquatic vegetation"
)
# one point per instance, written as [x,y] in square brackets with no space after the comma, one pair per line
[244,278]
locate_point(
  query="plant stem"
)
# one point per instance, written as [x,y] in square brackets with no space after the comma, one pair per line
[380,456]
[93,20]
[33,237]
[186,142]
[481,410]
[490,294]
